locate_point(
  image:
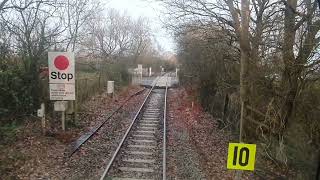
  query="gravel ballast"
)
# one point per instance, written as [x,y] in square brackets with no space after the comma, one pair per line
[39,156]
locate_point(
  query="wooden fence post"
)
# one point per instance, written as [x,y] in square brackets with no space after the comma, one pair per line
[99,81]
[75,102]
[87,95]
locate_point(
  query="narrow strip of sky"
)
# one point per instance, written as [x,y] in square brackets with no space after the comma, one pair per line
[150,10]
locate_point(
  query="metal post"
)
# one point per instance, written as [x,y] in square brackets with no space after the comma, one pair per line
[318,169]
[241,121]
[239,173]
[76,101]
[43,119]
[63,119]
[164,159]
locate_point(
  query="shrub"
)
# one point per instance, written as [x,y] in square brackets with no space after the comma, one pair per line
[16,92]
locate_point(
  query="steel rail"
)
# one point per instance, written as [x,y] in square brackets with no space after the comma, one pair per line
[84,138]
[127,132]
[164,163]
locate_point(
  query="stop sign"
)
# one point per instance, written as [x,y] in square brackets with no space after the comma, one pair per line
[61,62]
[61,67]
[61,76]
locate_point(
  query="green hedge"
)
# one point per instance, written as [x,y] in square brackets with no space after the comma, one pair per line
[16,92]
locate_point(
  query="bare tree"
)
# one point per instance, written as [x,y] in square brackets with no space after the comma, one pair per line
[278,41]
[117,35]
[2,4]
[78,12]
[141,37]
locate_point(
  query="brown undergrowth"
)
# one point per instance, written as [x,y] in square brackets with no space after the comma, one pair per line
[210,143]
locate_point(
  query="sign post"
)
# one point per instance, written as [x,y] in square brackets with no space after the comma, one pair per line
[61,80]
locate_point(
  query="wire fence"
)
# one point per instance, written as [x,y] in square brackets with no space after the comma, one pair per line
[87,87]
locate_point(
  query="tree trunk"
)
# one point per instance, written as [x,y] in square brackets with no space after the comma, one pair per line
[289,77]
[244,62]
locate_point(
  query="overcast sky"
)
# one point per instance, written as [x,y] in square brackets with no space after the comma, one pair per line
[151,10]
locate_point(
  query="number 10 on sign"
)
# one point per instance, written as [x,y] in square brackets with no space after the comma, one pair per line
[241,156]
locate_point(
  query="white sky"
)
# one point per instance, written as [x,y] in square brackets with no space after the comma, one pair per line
[150,10]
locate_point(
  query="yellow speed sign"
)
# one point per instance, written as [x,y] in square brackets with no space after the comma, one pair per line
[241,156]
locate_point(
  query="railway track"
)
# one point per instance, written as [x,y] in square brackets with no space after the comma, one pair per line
[141,154]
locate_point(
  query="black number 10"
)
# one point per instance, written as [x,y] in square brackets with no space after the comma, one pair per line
[235,156]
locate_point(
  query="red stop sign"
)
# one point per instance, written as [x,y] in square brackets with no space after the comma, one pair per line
[61,62]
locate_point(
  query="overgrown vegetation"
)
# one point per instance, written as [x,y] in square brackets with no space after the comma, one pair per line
[105,42]
[264,56]
[8,132]
[16,96]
